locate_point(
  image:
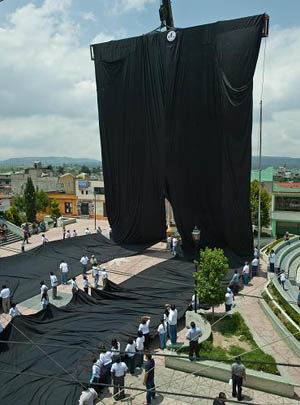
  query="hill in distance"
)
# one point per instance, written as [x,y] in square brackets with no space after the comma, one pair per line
[276,161]
[50,160]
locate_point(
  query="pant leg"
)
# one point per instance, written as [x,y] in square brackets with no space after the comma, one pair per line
[107,372]
[173,334]
[86,290]
[162,340]
[149,394]
[6,305]
[121,389]
[239,386]
[234,384]
[191,350]
[54,292]
[146,343]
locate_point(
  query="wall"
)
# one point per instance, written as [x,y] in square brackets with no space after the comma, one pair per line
[86,198]
[18,182]
[5,203]
[66,183]
[62,200]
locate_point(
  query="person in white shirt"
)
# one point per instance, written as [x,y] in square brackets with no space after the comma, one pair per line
[93,260]
[193,335]
[88,396]
[139,343]
[44,288]
[255,253]
[106,362]
[44,239]
[169,242]
[22,246]
[85,284]
[54,284]
[68,234]
[5,295]
[162,333]
[104,277]
[228,300]
[74,286]
[115,349]
[130,352]
[282,279]
[14,310]
[254,266]
[95,275]
[174,246]
[87,231]
[84,261]
[118,373]
[144,328]
[74,234]
[64,269]
[245,273]
[96,372]
[173,323]
[45,300]
[272,259]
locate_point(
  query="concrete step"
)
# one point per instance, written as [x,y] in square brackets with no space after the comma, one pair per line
[10,238]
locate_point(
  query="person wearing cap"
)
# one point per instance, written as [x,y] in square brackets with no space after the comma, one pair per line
[193,335]
[238,374]
[118,373]
[228,300]
[104,277]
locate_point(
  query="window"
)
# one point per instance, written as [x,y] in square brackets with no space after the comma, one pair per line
[86,192]
[287,203]
[62,185]
[99,190]
[68,207]
[82,191]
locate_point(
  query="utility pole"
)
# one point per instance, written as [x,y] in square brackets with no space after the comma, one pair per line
[259,186]
[166,14]
[95,205]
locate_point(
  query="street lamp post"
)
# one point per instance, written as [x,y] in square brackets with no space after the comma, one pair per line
[196,238]
[95,208]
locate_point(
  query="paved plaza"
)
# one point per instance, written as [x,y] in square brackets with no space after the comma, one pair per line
[169,380]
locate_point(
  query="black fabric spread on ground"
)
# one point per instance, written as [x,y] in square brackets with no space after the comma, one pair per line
[23,272]
[85,322]
[175,122]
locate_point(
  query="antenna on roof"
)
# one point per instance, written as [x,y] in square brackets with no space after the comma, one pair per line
[166,15]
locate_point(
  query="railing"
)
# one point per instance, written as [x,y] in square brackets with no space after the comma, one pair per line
[12,227]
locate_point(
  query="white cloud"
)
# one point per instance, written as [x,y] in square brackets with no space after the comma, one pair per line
[128,5]
[89,16]
[47,84]
[281,102]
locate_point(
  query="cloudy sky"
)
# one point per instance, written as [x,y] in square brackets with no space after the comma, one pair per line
[47,88]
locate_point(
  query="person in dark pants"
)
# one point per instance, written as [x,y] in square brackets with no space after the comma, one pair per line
[193,336]
[272,259]
[118,372]
[238,374]
[130,351]
[235,282]
[149,379]
[85,284]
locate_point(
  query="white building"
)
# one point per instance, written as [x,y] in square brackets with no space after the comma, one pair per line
[90,192]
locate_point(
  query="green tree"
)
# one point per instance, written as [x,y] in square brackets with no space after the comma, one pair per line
[19,203]
[60,169]
[13,215]
[54,209]
[85,169]
[211,270]
[42,200]
[264,207]
[30,201]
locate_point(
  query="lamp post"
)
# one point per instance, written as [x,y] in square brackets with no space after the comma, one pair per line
[196,238]
[95,208]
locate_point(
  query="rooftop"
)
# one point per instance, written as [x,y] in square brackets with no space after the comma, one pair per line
[286,187]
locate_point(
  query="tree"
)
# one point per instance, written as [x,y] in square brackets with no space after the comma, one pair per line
[60,169]
[30,200]
[19,203]
[211,270]
[264,207]
[42,201]
[13,215]
[85,169]
[54,209]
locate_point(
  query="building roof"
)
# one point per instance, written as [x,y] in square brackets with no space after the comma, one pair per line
[66,174]
[286,187]
[266,174]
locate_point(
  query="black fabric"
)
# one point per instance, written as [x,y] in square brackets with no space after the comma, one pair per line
[23,272]
[86,322]
[175,122]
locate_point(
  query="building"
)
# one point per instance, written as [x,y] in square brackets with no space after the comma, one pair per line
[285,215]
[42,178]
[90,192]
[66,201]
[5,202]
[5,183]
[266,178]
[66,183]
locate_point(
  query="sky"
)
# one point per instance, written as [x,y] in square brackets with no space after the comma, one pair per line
[48,100]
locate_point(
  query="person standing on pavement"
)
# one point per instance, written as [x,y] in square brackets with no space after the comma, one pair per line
[54,284]
[95,275]
[74,234]
[148,380]
[64,269]
[44,239]
[169,242]
[118,373]
[282,279]
[93,260]
[84,261]
[5,295]
[68,234]
[64,232]
[44,288]
[193,335]
[104,277]
[255,253]
[272,259]
[162,333]
[172,319]
[139,342]
[174,245]
[115,349]
[106,362]
[96,372]
[287,238]
[228,300]
[22,246]
[87,231]
[14,310]
[245,273]
[238,375]
[45,300]
[254,266]
[74,286]
[130,351]
[144,328]
[85,284]
[235,282]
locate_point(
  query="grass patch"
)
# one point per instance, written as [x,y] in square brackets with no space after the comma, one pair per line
[230,326]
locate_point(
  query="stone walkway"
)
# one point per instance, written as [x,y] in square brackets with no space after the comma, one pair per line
[166,379]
